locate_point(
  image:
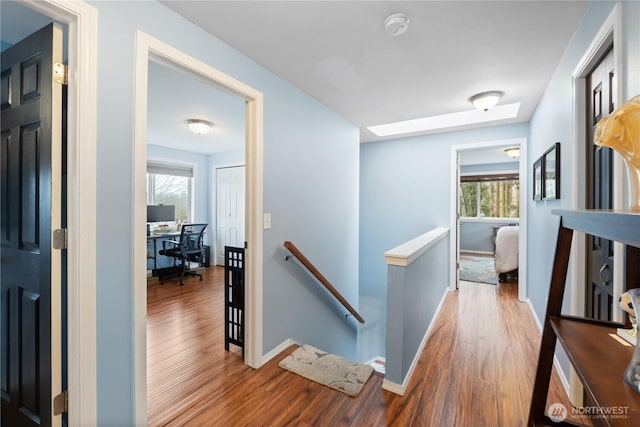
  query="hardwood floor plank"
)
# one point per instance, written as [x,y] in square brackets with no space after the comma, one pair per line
[476,369]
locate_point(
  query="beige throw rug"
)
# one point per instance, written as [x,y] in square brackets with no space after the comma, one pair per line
[328,369]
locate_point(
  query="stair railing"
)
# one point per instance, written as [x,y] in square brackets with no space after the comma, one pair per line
[295,252]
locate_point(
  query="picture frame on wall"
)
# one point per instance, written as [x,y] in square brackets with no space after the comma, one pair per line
[551,173]
[537,180]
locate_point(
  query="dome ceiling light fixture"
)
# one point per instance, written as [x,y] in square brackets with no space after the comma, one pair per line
[396,24]
[513,152]
[485,100]
[199,126]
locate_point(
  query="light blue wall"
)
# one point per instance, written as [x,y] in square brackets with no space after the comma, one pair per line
[413,295]
[226,158]
[404,192]
[491,167]
[551,122]
[477,236]
[310,187]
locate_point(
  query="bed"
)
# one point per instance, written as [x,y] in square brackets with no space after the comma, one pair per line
[507,249]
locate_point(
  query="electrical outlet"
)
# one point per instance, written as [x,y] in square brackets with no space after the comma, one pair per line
[267,221]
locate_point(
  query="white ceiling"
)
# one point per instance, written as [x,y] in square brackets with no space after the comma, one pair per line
[175,96]
[339,53]
[488,155]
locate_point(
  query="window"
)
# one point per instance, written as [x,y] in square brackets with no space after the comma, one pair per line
[170,184]
[490,196]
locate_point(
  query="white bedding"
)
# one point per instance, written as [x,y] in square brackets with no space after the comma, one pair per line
[507,249]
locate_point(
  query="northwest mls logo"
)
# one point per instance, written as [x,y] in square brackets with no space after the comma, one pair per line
[557,412]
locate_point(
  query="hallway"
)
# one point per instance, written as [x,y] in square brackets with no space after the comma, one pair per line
[476,370]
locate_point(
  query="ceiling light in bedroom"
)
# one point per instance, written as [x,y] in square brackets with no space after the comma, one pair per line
[199,126]
[513,152]
[396,24]
[485,100]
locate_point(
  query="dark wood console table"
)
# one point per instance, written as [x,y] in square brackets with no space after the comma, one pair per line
[598,359]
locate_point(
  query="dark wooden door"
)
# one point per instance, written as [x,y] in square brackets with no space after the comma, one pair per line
[30,160]
[601,93]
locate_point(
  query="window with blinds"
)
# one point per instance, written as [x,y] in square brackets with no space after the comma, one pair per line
[171,184]
[490,196]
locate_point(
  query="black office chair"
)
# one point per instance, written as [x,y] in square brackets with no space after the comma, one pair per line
[190,248]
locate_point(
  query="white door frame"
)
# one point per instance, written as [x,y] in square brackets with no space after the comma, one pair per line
[82,23]
[453,210]
[610,32]
[148,47]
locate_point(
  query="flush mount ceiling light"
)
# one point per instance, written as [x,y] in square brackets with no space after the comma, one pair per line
[396,24]
[199,126]
[485,100]
[513,152]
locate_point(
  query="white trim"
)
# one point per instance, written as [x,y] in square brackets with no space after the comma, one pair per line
[408,252]
[148,47]
[484,173]
[609,32]
[400,389]
[55,215]
[522,221]
[470,252]
[82,22]
[556,362]
[453,209]
[454,225]
[277,350]
[486,219]
[395,388]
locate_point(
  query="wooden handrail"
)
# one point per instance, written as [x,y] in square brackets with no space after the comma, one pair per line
[313,270]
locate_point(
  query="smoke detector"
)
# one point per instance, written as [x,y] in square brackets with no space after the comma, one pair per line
[396,24]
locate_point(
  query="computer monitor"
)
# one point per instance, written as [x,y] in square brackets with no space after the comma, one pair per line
[161,213]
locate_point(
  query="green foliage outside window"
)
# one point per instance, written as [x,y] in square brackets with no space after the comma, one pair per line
[469,199]
[497,199]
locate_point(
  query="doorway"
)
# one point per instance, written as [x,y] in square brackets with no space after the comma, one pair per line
[601,101]
[81,21]
[609,34]
[34,267]
[149,48]
[179,165]
[482,161]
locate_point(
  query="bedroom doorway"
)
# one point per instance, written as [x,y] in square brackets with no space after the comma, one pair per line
[488,190]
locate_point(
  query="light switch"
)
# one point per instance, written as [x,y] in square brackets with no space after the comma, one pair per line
[267,221]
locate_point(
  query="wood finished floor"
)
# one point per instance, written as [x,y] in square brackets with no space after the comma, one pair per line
[477,368]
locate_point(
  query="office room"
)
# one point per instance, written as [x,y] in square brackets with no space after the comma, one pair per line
[195,207]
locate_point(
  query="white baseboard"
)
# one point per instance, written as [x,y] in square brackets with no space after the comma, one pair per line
[400,389]
[556,363]
[470,252]
[393,387]
[277,350]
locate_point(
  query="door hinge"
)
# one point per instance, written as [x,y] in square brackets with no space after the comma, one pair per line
[60,73]
[61,403]
[246,245]
[457,266]
[59,238]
